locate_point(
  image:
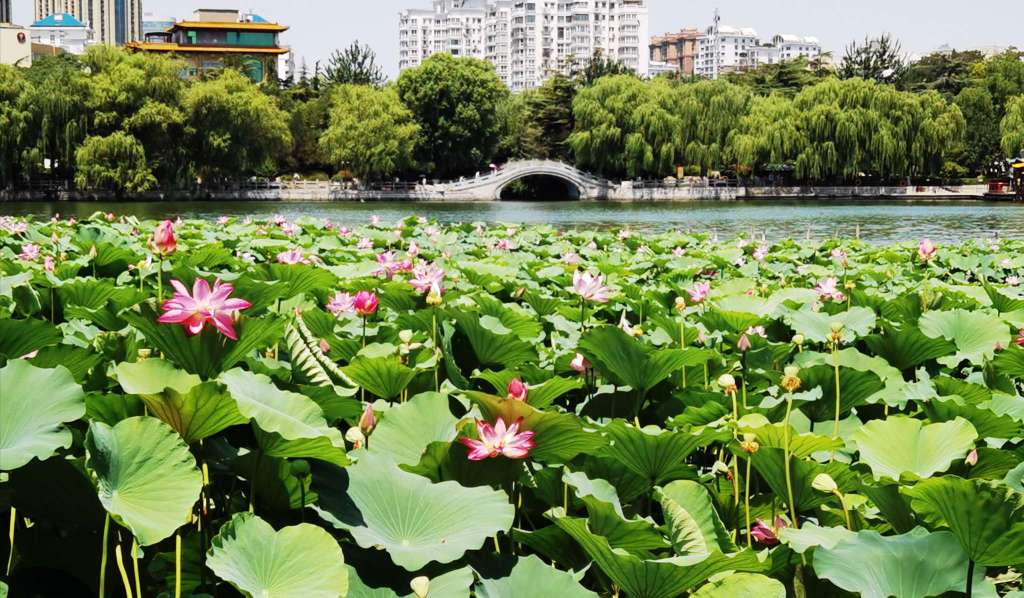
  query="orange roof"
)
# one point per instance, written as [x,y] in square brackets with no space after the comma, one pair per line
[229,25]
[172,47]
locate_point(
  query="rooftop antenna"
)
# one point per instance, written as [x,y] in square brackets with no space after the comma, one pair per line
[714,37]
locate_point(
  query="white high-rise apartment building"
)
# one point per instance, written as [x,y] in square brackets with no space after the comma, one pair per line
[722,49]
[527,41]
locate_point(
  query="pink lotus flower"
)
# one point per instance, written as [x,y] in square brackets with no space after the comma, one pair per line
[571,258]
[1012,281]
[757,331]
[840,256]
[388,265]
[766,535]
[760,253]
[222,220]
[375,220]
[700,292]
[517,391]
[414,249]
[341,303]
[428,278]
[364,243]
[48,264]
[344,232]
[624,234]
[367,421]
[365,303]
[678,252]
[1020,338]
[163,240]
[590,287]
[499,440]
[29,252]
[292,256]
[926,249]
[972,458]
[828,289]
[504,245]
[204,306]
[290,228]
[579,363]
[743,344]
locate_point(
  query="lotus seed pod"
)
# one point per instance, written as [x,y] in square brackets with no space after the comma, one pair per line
[420,586]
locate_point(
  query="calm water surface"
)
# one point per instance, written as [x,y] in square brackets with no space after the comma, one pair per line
[878,221]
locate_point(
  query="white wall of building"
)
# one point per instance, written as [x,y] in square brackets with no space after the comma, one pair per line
[15,46]
[732,49]
[527,41]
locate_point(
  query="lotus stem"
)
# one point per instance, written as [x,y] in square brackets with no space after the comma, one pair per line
[103,556]
[159,279]
[835,367]
[135,567]
[565,497]
[177,564]
[786,455]
[746,503]
[735,482]
[497,547]
[437,360]
[302,499]
[124,574]
[970,578]
[682,344]
[10,535]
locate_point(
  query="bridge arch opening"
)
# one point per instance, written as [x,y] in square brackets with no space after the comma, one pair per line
[540,187]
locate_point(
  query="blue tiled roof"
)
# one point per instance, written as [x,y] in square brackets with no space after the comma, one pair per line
[258,19]
[61,20]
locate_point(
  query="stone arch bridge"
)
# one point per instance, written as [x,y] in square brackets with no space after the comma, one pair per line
[490,186]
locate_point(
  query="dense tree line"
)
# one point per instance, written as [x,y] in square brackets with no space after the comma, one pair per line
[127,122]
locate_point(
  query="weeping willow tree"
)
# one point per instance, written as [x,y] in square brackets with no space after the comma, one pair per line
[115,163]
[625,126]
[710,111]
[13,120]
[57,103]
[1012,127]
[768,135]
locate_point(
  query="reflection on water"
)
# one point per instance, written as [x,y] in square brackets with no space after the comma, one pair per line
[878,221]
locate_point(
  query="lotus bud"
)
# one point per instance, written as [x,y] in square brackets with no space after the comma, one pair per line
[728,383]
[824,483]
[517,391]
[972,458]
[720,468]
[420,586]
[367,421]
[680,304]
[744,343]
[791,378]
[355,436]
[299,468]
[325,347]
[579,363]
[749,444]
[798,340]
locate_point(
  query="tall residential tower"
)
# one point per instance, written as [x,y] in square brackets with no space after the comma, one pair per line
[113,22]
[5,11]
[528,41]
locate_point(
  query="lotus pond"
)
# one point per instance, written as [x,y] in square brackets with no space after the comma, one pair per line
[276,408]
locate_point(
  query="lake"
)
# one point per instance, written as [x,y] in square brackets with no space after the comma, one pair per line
[878,221]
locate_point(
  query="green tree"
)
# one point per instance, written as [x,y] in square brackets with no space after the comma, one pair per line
[519,136]
[551,111]
[877,59]
[371,132]
[596,66]
[946,73]
[13,123]
[58,114]
[355,65]
[116,163]
[454,101]
[232,128]
[981,139]
[787,77]
[1002,76]
[1012,128]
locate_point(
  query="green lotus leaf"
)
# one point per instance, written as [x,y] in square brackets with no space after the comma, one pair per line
[906,347]
[78,360]
[770,463]
[531,577]
[289,414]
[558,436]
[816,326]
[986,517]
[196,410]
[405,431]
[146,477]
[810,536]
[454,584]
[800,445]
[275,445]
[414,520]
[299,561]
[606,518]
[898,445]
[976,334]
[917,564]
[1011,362]
[624,359]
[35,404]
[491,348]
[641,578]
[381,376]
[653,454]
[20,337]
[1015,478]
[742,585]
[693,524]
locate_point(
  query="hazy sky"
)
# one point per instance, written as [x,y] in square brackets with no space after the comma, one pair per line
[318,26]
